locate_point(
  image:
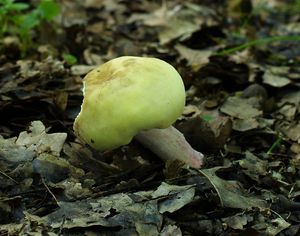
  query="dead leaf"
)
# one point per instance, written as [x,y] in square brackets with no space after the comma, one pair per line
[272,227]
[278,225]
[230,193]
[132,212]
[240,108]
[255,90]
[175,20]
[237,221]
[39,141]
[276,77]
[12,152]
[288,111]
[293,132]
[73,189]
[253,166]
[178,29]
[245,124]
[195,58]
[292,97]
[209,135]
[81,69]
[170,230]
[178,196]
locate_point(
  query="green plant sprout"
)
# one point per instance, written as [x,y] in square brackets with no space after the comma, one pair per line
[257,42]
[207,118]
[18,19]
[274,145]
[292,8]
[9,8]
[69,58]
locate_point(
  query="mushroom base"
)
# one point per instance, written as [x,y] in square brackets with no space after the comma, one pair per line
[170,144]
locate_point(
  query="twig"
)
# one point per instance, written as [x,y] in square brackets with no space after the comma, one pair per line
[3,173]
[43,181]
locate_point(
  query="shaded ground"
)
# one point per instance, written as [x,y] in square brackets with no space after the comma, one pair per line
[240,65]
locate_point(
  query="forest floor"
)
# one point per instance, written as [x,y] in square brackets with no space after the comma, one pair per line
[240,63]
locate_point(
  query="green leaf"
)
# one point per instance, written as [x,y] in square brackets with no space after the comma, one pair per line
[207,118]
[277,142]
[18,6]
[6,3]
[69,58]
[9,7]
[48,9]
[29,21]
[257,42]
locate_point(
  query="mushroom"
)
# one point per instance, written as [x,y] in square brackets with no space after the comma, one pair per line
[135,97]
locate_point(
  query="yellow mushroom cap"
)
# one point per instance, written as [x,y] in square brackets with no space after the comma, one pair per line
[126,95]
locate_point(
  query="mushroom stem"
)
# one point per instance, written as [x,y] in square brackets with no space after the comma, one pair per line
[170,144]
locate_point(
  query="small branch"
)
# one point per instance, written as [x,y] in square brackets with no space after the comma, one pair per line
[7,176]
[48,189]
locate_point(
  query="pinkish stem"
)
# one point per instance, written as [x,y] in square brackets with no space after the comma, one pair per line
[170,144]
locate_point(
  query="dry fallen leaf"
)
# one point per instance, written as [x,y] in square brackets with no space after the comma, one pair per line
[81,69]
[195,58]
[178,196]
[245,124]
[253,166]
[170,230]
[230,193]
[139,211]
[275,80]
[293,132]
[240,108]
[176,20]
[237,221]
[39,141]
